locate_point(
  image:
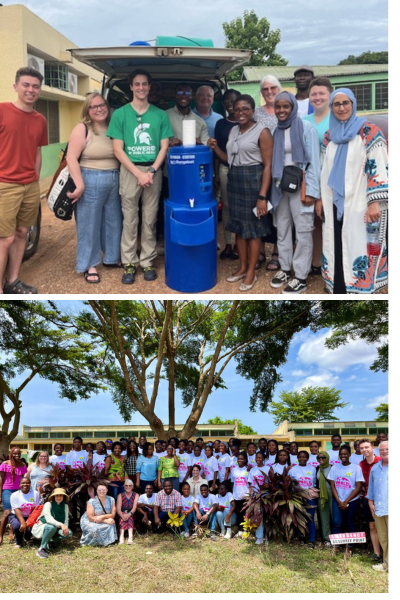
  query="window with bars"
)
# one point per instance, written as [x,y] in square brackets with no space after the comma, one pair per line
[56,75]
[382,96]
[60,434]
[304,431]
[363,94]
[49,109]
[378,430]
[354,431]
[38,434]
[82,434]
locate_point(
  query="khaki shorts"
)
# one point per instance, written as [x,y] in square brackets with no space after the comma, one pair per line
[19,206]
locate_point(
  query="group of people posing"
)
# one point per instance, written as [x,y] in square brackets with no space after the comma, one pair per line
[202,483]
[308,160]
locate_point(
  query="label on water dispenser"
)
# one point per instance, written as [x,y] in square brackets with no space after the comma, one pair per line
[181,159]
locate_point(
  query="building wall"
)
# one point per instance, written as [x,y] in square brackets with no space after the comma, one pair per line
[22,33]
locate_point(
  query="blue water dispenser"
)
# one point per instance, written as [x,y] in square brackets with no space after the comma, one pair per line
[191,221]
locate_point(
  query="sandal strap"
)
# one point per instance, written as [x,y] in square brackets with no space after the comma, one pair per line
[19,287]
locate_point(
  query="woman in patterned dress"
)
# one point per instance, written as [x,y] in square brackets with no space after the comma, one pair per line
[354,191]
[98,522]
[126,508]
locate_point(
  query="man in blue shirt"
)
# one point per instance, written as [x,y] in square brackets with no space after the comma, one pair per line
[204,100]
[378,499]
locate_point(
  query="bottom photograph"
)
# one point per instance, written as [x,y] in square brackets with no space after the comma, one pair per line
[153,438]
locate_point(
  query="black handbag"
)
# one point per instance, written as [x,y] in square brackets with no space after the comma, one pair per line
[291,179]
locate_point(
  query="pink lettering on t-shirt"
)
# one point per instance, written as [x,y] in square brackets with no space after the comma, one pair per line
[77,463]
[240,481]
[343,483]
[305,482]
[26,508]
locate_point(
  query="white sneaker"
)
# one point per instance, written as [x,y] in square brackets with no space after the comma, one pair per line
[260,541]
[280,279]
[379,567]
[295,286]
[239,534]
[228,534]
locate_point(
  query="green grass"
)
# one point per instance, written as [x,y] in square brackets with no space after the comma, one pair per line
[177,565]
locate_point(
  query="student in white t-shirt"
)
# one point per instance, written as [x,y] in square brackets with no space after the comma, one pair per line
[187,508]
[346,483]
[235,449]
[145,506]
[251,455]
[90,450]
[336,441]
[99,457]
[59,458]
[240,475]
[293,451]
[22,504]
[216,451]
[185,462]
[198,459]
[272,450]
[256,474]
[200,442]
[306,477]
[159,451]
[381,437]
[262,446]
[282,462]
[224,463]
[312,459]
[77,457]
[109,444]
[211,469]
[226,517]
[205,506]
[356,457]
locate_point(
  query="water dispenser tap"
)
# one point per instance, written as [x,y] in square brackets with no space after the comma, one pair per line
[191,202]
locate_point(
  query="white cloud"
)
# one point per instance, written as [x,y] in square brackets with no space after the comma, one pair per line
[356,352]
[378,400]
[351,378]
[299,373]
[351,407]
[321,379]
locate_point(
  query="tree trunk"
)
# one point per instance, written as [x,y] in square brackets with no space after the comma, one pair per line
[4,445]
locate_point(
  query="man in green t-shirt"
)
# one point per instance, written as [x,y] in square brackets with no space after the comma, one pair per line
[140,134]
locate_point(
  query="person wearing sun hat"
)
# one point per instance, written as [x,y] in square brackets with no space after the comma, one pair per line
[53,522]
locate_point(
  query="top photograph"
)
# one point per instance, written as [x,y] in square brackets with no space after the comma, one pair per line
[240,157]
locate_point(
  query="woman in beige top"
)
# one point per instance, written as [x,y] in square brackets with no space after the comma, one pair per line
[196,481]
[95,171]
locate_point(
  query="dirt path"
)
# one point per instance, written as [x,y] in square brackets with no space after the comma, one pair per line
[51,269]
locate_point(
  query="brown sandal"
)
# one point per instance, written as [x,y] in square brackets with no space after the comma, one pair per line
[274,264]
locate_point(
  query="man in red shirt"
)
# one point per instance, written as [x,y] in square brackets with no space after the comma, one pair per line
[370,459]
[23,132]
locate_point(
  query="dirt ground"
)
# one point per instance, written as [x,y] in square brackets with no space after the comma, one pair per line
[52,269]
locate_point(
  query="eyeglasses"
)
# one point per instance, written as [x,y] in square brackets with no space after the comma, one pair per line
[345,104]
[98,106]
[182,93]
[244,110]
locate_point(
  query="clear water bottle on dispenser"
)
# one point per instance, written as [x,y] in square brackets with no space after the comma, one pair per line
[373,243]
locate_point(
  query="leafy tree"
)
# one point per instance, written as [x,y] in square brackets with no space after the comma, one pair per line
[383,412]
[32,345]
[367,58]
[189,343]
[367,320]
[242,429]
[251,33]
[311,404]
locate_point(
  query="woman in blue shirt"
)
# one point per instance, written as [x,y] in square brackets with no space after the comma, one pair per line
[146,468]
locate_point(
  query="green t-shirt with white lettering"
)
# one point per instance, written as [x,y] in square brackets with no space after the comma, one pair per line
[141,135]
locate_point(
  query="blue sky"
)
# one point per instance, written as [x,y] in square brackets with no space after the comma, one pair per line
[314,33]
[309,363]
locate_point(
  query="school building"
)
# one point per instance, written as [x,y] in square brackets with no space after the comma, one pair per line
[27,40]
[45,438]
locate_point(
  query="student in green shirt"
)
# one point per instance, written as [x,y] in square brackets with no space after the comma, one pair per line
[140,134]
[168,468]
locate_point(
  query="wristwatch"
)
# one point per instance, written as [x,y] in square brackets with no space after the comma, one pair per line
[152,170]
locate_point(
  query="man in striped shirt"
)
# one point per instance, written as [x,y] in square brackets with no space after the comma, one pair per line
[166,500]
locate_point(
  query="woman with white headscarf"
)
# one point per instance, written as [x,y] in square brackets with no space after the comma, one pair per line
[354,192]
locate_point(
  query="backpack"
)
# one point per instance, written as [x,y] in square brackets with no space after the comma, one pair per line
[62,184]
[34,516]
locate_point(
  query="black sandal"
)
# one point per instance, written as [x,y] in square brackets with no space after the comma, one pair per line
[274,262]
[260,260]
[19,287]
[87,274]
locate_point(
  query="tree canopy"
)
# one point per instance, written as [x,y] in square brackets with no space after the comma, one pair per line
[251,33]
[383,412]
[367,320]
[311,404]
[36,341]
[367,58]
[242,429]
